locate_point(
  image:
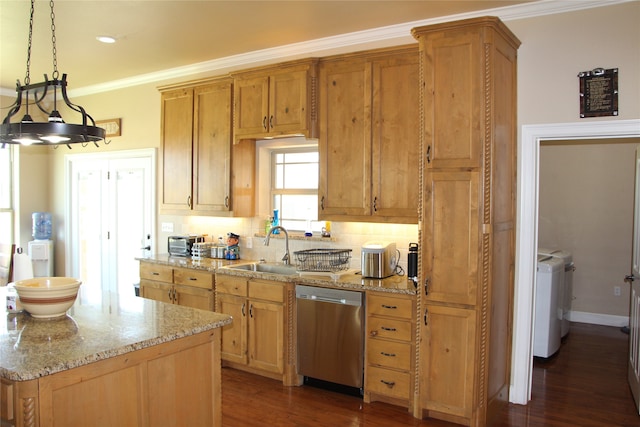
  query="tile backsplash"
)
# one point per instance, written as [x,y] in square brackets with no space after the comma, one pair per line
[344,235]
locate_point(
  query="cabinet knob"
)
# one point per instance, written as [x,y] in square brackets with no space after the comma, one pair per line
[373,333]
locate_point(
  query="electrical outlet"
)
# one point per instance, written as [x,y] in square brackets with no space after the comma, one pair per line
[616,291]
[248,243]
[167,227]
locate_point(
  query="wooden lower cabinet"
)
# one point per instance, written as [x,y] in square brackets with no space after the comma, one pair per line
[170,384]
[258,339]
[390,349]
[447,367]
[174,285]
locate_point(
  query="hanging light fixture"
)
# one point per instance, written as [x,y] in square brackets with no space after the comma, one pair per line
[54,131]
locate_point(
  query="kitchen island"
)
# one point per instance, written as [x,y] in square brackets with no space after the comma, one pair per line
[111,361]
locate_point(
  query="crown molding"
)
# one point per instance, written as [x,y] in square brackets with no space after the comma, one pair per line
[393,35]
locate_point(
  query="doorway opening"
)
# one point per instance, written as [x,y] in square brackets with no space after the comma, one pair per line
[111,207]
[527,233]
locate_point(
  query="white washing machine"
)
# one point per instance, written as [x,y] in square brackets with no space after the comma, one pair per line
[567,289]
[547,323]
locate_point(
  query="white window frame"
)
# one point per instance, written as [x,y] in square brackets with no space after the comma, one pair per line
[9,208]
[287,222]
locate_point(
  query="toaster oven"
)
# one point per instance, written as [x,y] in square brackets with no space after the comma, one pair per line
[181,245]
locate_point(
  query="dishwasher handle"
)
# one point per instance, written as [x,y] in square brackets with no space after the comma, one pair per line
[329,299]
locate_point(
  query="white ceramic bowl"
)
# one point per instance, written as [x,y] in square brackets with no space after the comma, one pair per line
[46,297]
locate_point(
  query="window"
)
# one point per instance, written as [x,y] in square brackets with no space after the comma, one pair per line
[294,187]
[6,195]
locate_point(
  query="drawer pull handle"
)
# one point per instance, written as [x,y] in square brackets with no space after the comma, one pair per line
[387,354]
[155,273]
[392,307]
[193,278]
[384,328]
[389,384]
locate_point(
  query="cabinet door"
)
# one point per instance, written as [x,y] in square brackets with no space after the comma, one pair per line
[176,133]
[288,102]
[251,106]
[194,297]
[158,291]
[345,139]
[234,342]
[266,336]
[453,105]
[395,133]
[452,237]
[212,147]
[448,360]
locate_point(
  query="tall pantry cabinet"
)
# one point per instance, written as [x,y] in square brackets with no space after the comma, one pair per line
[467,215]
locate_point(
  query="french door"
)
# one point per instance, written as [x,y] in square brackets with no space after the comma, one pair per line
[111,217]
[634,312]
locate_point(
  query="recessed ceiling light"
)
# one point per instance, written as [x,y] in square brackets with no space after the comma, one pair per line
[106,39]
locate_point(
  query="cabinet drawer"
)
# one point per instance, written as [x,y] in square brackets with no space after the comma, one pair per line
[390,383]
[388,353]
[231,285]
[190,277]
[382,327]
[389,306]
[270,291]
[161,273]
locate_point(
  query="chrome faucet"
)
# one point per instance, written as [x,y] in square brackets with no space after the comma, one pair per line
[286,256]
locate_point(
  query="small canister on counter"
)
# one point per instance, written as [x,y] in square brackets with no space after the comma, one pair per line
[13,301]
[412,262]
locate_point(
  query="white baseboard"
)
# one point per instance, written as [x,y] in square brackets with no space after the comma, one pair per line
[598,319]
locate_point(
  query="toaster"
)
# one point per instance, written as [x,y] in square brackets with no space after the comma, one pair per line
[379,259]
[181,245]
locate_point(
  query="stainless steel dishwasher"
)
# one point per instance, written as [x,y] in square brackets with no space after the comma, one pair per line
[330,335]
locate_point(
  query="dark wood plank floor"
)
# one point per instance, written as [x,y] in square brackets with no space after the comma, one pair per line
[584,385]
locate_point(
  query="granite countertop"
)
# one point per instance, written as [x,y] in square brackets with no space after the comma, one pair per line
[349,279]
[98,326]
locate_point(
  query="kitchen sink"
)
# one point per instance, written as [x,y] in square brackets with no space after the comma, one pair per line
[267,267]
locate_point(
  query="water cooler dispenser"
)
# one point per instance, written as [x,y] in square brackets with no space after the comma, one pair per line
[41,248]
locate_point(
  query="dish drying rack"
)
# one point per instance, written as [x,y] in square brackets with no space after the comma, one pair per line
[322,260]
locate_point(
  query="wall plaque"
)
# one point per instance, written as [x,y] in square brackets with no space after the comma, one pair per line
[599,92]
[112,127]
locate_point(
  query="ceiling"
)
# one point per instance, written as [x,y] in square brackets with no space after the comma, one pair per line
[153,35]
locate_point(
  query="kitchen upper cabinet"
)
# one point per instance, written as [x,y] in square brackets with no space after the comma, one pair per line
[468,138]
[369,137]
[212,147]
[197,157]
[176,152]
[276,101]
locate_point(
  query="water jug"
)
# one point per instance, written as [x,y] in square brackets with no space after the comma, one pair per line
[41,225]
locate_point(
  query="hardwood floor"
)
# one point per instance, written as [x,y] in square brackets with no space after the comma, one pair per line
[584,385]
